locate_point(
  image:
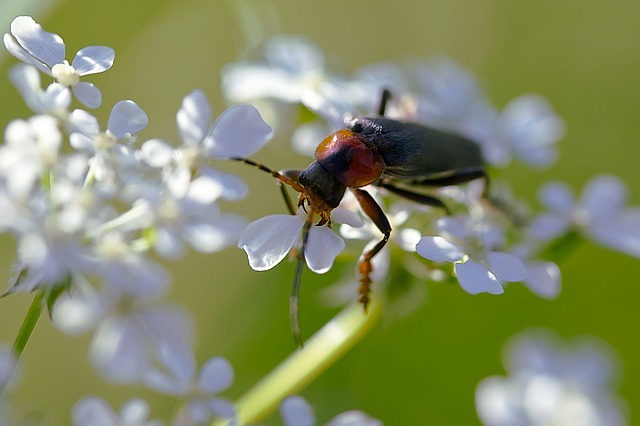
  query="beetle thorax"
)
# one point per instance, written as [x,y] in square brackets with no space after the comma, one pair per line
[351,158]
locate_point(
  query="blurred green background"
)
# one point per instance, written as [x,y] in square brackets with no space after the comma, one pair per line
[583,56]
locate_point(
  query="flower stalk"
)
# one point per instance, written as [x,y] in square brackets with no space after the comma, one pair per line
[320,352]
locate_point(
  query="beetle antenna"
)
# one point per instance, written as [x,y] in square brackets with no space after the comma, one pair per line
[295,286]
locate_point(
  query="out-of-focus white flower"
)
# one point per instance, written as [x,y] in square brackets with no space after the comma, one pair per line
[529,130]
[7,365]
[471,247]
[600,214]
[46,51]
[296,411]
[131,324]
[95,411]
[30,149]
[552,383]
[198,391]
[293,71]
[55,100]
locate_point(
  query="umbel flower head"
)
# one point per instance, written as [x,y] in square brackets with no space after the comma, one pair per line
[46,51]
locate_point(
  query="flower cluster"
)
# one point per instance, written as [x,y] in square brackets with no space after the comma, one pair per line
[93,212]
[552,383]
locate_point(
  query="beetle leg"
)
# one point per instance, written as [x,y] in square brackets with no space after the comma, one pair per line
[460,176]
[413,196]
[375,213]
[386,95]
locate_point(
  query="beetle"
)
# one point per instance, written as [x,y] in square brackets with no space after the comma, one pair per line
[375,150]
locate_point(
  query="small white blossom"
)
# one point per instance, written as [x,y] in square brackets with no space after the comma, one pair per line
[46,51]
[131,323]
[268,240]
[552,383]
[600,214]
[95,411]
[470,246]
[296,411]
[55,100]
[197,389]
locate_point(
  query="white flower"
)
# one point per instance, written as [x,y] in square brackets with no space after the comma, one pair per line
[131,325]
[95,411]
[238,132]
[543,277]
[55,100]
[600,214]
[46,51]
[198,392]
[31,148]
[292,72]
[295,411]
[470,246]
[552,383]
[268,240]
[187,212]
[530,130]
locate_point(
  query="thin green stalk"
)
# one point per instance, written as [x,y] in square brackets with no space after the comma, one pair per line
[28,324]
[320,352]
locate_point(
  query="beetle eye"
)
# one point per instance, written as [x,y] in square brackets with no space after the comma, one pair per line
[357,127]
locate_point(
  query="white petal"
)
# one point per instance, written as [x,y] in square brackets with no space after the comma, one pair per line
[268,240]
[295,411]
[93,411]
[347,216]
[56,97]
[544,279]
[619,232]
[93,59]
[194,118]
[215,376]
[76,314]
[83,143]
[323,245]
[212,237]
[167,243]
[247,82]
[499,403]
[180,361]
[83,122]
[603,196]
[16,50]
[532,128]
[295,54]
[474,278]
[219,184]
[126,118]
[118,351]
[47,47]
[438,249]
[453,226]
[557,197]
[354,418]
[88,94]
[238,132]
[407,239]
[156,152]
[548,226]
[506,266]
[135,411]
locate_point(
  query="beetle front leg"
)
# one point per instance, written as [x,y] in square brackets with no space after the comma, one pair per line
[374,212]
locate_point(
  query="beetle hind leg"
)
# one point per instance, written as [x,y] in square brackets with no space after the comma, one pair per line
[375,213]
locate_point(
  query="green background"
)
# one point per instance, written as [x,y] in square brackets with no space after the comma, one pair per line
[583,56]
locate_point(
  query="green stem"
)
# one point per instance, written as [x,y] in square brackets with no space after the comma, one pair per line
[28,324]
[320,352]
